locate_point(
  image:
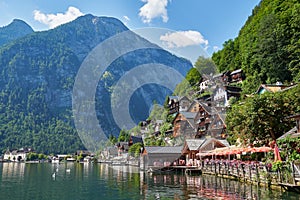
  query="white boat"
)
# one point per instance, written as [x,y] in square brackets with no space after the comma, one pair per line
[54,160]
[71,159]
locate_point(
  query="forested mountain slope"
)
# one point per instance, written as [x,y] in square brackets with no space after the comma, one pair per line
[267,47]
[37,77]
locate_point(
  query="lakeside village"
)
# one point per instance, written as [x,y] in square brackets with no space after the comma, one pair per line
[196,142]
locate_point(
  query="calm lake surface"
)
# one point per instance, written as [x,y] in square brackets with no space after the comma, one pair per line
[101,181]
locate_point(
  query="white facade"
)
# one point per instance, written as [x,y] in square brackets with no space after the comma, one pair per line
[220,97]
[15,156]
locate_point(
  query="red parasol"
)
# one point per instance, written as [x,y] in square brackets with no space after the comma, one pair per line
[261,149]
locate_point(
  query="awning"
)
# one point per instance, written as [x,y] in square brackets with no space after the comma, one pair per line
[234,150]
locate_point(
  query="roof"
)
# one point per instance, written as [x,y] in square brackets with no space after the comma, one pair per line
[222,117]
[205,107]
[184,97]
[270,88]
[289,87]
[189,115]
[194,144]
[192,123]
[175,98]
[236,71]
[225,142]
[137,139]
[218,75]
[159,121]
[208,141]
[292,133]
[112,150]
[163,149]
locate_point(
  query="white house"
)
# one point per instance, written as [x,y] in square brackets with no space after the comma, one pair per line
[17,155]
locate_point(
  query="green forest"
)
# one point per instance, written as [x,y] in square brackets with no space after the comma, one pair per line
[38,71]
[267,47]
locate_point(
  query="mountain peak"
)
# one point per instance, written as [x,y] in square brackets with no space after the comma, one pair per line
[16,29]
[17,24]
[96,21]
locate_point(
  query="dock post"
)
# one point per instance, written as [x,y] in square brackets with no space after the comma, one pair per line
[257,174]
[250,175]
[293,172]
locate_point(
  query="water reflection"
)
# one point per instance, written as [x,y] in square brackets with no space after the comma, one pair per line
[207,187]
[100,181]
[13,170]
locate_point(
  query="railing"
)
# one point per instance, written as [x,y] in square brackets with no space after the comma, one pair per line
[254,172]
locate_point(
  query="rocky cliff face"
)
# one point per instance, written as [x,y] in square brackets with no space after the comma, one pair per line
[38,72]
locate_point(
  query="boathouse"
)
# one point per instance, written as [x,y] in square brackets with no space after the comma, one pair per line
[156,157]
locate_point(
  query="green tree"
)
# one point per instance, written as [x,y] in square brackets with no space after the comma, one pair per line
[124,136]
[205,66]
[193,76]
[112,139]
[267,47]
[262,117]
[135,149]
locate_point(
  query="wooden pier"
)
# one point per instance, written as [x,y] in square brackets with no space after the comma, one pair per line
[290,187]
[193,171]
[286,177]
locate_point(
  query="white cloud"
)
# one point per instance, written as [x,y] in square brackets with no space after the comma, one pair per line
[153,9]
[54,20]
[126,18]
[183,39]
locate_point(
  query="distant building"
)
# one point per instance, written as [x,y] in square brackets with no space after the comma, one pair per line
[230,77]
[178,104]
[222,94]
[270,88]
[17,154]
[236,76]
[135,139]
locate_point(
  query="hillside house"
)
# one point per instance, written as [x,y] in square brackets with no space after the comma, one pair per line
[217,127]
[212,143]
[178,104]
[272,88]
[204,83]
[236,76]
[205,114]
[185,125]
[222,94]
[229,77]
[222,78]
[278,87]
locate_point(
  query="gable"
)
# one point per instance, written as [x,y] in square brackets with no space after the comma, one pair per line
[212,143]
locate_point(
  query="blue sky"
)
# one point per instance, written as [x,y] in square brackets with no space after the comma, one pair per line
[208,23]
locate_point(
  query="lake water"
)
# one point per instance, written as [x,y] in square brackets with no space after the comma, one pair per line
[101,181]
